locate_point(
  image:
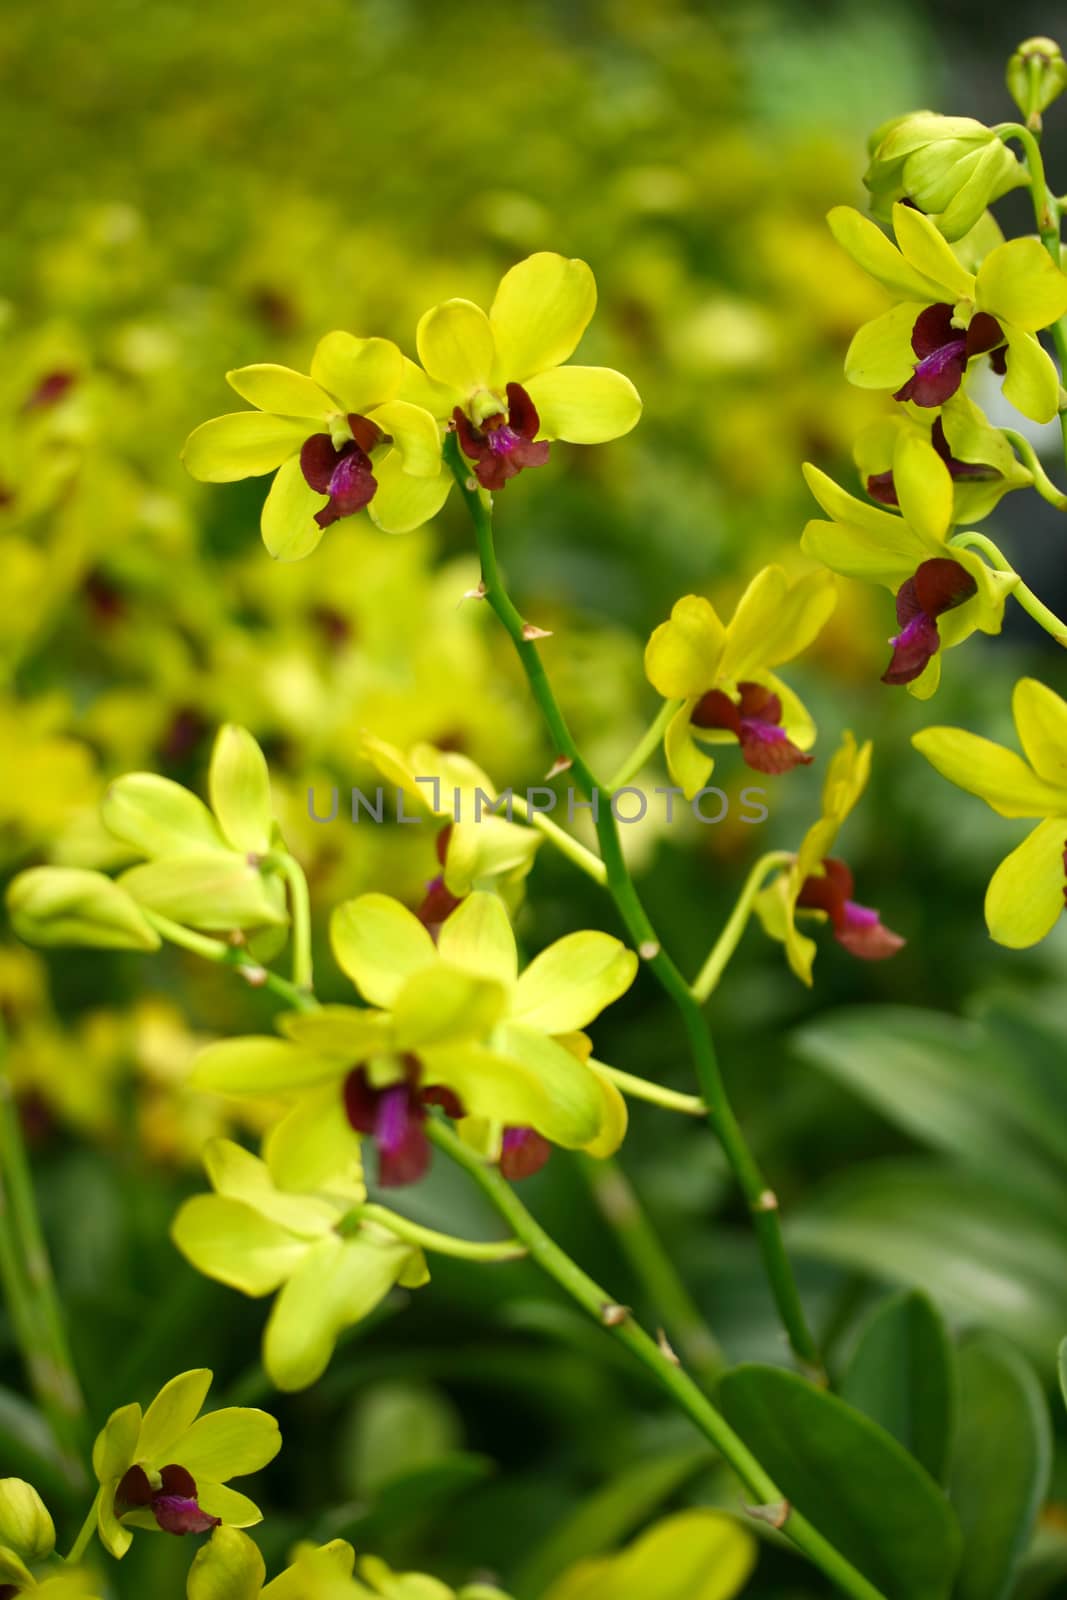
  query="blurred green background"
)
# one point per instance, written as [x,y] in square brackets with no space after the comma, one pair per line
[188,188]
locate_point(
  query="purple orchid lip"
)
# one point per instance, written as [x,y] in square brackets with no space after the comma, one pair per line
[174,1504]
[939,585]
[503,439]
[881,487]
[858,929]
[506,442]
[944,351]
[345,473]
[394,1118]
[755,718]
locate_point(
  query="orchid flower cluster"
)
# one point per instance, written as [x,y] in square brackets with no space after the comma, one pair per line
[447,1043]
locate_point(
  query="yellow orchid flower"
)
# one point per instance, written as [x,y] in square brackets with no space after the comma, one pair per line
[817,882]
[274,1224]
[694,1555]
[948,316]
[501,378]
[337,442]
[458,1027]
[943,592]
[203,866]
[476,848]
[378,1581]
[169,1467]
[721,673]
[981,463]
[230,1567]
[1026,893]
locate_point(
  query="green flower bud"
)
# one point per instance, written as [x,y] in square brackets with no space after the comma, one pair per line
[952,168]
[215,892]
[1037,75]
[25,1525]
[69,905]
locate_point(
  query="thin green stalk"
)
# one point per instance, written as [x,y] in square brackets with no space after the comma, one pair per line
[88,1528]
[1047,218]
[662,1283]
[760,1198]
[226,955]
[37,1314]
[647,747]
[655,1094]
[575,852]
[300,912]
[442,1244]
[622,1327]
[1042,482]
[1052,624]
[707,978]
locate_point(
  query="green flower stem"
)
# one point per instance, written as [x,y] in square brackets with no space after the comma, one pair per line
[656,1094]
[1042,482]
[296,883]
[442,1244]
[226,955]
[762,1201]
[85,1535]
[30,1290]
[707,979]
[1026,597]
[648,746]
[576,853]
[682,1389]
[1047,217]
[652,1266]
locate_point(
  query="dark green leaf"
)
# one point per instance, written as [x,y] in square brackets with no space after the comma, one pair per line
[979,1253]
[902,1375]
[850,1478]
[950,1085]
[1000,1466]
[28,1449]
[413,1499]
[395,1429]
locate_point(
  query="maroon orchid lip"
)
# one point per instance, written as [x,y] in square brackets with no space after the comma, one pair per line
[881,487]
[344,474]
[50,390]
[755,718]
[939,585]
[944,352]
[174,1504]
[505,443]
[393,1117]
[523,1152]
[858,929]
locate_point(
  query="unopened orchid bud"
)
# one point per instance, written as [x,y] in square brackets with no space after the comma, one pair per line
[68,905]
[25,1525]
[952,168]
[1037,75]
